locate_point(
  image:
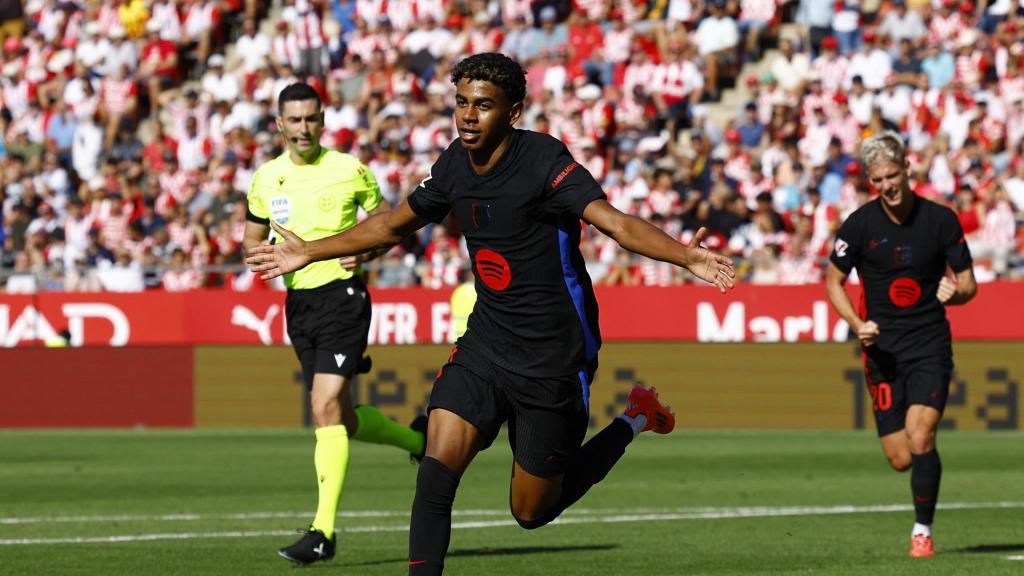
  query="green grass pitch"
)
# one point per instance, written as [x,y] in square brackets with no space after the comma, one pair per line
[693,503]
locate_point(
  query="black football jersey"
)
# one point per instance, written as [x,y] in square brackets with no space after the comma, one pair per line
[900,266]
[535,314]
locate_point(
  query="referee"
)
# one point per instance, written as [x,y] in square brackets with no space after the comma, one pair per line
[317,192]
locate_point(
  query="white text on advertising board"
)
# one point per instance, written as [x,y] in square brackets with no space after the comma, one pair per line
[734,326]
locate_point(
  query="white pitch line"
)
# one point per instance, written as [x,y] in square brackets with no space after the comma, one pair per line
[584,516]
[703,512]
[1018,557]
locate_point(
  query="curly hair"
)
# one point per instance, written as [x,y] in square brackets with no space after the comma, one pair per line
[498,69]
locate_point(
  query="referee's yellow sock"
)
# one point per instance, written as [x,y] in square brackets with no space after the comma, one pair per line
[331,460]
[377,428]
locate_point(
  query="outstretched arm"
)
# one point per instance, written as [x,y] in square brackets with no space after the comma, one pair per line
[353,262]
[642,237]
[378,232]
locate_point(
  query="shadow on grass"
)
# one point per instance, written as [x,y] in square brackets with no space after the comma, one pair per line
[500,552]
[989,548]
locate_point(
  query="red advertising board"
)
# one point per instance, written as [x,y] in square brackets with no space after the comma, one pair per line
[408,316]
[97,387]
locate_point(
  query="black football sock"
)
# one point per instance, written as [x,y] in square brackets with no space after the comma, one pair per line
[924,483]
[431,526]
[589,466]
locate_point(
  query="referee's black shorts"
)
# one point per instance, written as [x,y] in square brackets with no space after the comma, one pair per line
[547,417]
[328,327]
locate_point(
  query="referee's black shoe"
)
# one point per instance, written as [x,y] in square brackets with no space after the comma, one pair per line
[312,547]
[419,424]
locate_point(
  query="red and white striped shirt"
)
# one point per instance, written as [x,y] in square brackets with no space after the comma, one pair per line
[677,80]
[109,19]
[595,9]
[512,9]
[199,18]
[76,232]
[51,22]
[1011,88]
[285,49]
[370,11]
[1014,130]
[617,44]
[173,185]
[847,129]
[639,75]
[944,28]
[664,202]
[485,40]
[363,45]
[814,144]
[759,10]
[633,10]
[402,13]
[654,273]
[738,167]
[306,26]
[180,280]
[629,112]
[116,95]
[194,153]
[181,234]
[15,96]
[799,269]
[166,14]
[1000,225]
[427,139]
[112,218]
[833,72]
[436,9]
[969,69]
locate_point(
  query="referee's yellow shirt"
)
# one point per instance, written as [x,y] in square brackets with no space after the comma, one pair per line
[314,201]
[462,302]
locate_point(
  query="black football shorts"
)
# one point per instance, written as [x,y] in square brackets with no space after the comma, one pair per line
[896,384]
[328,327]
[547,417]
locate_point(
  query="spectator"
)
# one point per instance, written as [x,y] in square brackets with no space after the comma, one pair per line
[791,69]
[717,38]
[179,277]
[816,17]
[158,66]
[901,24]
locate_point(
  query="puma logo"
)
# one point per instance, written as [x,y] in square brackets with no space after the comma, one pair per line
[246,318]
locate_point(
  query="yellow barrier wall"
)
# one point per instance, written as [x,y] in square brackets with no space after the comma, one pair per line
[780,386]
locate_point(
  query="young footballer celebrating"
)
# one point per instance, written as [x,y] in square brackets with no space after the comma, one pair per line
[530,350]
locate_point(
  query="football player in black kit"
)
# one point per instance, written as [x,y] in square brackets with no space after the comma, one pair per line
[530,351]
[901,245]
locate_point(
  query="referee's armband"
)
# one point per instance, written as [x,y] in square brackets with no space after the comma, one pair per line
[254,218]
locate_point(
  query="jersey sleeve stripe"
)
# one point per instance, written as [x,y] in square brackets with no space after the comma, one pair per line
[254,218]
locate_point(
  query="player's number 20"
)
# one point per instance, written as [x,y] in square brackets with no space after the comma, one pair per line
[881,396]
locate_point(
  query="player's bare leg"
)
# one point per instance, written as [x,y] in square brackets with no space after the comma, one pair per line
[452,443]
[536,501]
[914,448]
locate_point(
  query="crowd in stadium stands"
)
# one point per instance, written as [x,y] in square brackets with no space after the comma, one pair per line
[132,127]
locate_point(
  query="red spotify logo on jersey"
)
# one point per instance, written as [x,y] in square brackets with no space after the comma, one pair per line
[904,292]
[493,269]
